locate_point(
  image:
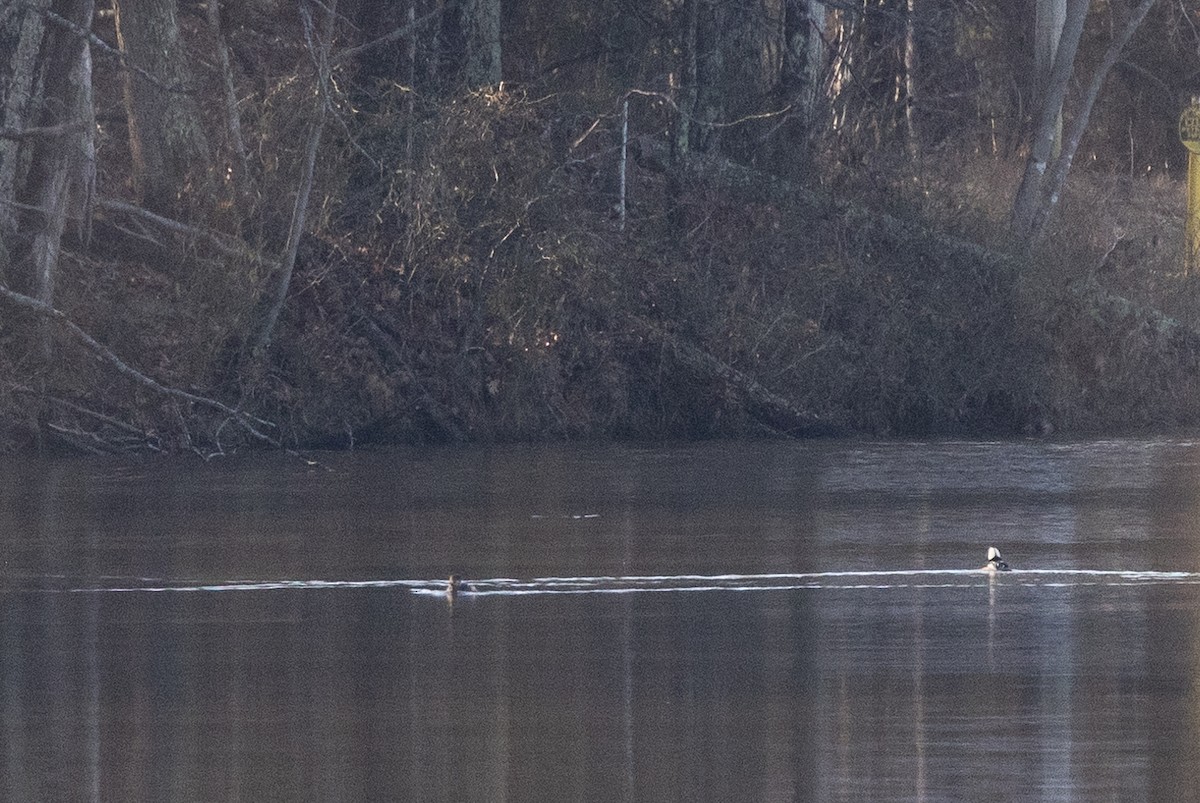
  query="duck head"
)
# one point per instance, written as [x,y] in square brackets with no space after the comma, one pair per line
[995,563]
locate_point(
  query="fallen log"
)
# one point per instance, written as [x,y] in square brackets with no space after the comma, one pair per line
[729,175]
[1168,351]
[744,392]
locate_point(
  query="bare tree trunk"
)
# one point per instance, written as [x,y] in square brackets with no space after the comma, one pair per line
[167,141]
[912,140]
[1030,192]
[410,119]
[686,95]
[320,53]
[1062,165]
[814,62]
[233,119]
[804,25]
[685,107]
[801,78]
[62,171]
[710,72]
[1049,18]
[480,21]
[624,162]
[23,32]
[436,47]
[841,33]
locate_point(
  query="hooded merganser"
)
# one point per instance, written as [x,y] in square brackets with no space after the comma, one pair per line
[994,562]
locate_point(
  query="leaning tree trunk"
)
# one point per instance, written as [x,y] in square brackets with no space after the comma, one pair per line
[1062,165]
[1029,194]
[58,146]
[319,49]
[167,141]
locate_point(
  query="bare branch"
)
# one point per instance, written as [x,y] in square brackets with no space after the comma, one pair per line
[58,130]
[227,245]
[399,33]
[249,423]
[300,208]
[83,32]
[106,419]
[143,439]
[119,55]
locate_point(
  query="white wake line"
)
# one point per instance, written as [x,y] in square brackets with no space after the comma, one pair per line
[629,584]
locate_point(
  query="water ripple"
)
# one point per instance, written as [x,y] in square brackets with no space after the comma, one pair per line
[629,584]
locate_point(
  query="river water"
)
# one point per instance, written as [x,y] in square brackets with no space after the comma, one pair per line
[730,621]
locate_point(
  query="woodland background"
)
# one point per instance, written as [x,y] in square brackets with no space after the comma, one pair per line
[302,223]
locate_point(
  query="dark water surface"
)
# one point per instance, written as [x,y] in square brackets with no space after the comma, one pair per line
[731,621]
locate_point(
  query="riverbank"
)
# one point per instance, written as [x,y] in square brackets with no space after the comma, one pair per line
[883,300]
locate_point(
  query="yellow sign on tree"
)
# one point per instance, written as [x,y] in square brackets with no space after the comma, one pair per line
[1189,128]
[1189,135]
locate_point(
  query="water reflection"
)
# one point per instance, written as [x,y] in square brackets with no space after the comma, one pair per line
[751,621]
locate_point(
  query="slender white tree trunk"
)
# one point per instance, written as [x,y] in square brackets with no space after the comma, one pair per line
[1062,165]
[912,140]
[1042,149]
[623,165]
[1049,18]
[814,62]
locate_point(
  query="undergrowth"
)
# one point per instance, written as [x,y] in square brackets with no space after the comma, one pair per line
[468,279]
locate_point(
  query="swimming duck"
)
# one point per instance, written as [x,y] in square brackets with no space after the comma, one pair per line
[456,585]
[994,562]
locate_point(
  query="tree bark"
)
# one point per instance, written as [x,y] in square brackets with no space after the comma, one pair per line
[710,73]
[685,107]
[23,32]
[166,139]
[801,78]
[480,25]
[795,39]
[686,95]
[62,171]
[814,57]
